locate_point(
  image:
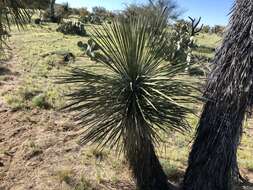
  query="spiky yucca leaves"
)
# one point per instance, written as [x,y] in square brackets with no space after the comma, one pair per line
[137,98]
[212,161]
[11,12]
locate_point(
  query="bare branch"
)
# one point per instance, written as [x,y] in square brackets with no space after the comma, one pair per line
[194,30]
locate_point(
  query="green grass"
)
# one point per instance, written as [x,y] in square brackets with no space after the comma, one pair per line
[208,40]
[39,65]
[206,44]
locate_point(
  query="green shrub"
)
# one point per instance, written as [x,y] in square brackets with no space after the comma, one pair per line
[72,28]
[41,102]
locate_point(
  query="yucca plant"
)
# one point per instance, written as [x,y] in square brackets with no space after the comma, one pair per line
[137,98]
[12,12]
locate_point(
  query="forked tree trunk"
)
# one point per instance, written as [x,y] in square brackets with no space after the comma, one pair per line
[213,156]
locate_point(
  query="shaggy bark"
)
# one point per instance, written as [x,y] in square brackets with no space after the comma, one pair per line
[147,169]
[213,156]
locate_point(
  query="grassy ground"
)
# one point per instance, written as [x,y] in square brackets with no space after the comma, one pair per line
[43,140]
[207,44]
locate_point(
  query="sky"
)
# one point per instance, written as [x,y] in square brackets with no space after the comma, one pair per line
[212,11]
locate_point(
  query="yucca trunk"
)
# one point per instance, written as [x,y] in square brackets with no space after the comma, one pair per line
[214,151]
[213,156]
[146,168]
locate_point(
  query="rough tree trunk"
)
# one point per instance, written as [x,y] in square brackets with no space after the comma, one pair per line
[51,7]
[143,161]
[147,169]
[213,156]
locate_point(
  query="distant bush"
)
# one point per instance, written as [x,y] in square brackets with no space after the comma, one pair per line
[46,17]
[82,12]
[56,14]
[98,16]
[206,29]
[219,30]
[92,19]
[73,28]
[84,19]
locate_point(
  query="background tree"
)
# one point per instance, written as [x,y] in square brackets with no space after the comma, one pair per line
[171,12]
[99,11]
[52,9]
[62,11]
[137,99]
[83,12]
[36,4]
[206,29]
[57,12]
[75,11]
[229,96]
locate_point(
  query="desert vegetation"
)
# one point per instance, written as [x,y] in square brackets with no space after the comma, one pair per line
[136,99]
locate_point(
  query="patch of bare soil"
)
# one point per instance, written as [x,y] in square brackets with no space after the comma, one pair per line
[35,145]
[32,143]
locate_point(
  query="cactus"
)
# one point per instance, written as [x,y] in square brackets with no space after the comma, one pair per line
[90,48]
[93,19]
[73,28]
